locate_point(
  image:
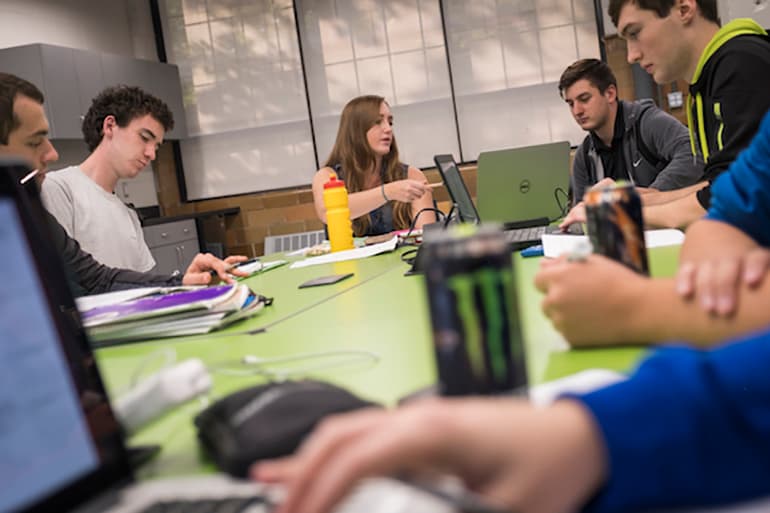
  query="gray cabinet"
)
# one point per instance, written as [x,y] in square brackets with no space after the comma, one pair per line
[71,78]
[173,245]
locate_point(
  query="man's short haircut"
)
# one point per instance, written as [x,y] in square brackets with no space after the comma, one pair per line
[126,103]
[12,86]
[662,8]
[595,71]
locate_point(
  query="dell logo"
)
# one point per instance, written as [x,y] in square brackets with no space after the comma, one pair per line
[524,186]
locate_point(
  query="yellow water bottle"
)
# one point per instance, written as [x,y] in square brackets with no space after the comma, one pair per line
[338,215]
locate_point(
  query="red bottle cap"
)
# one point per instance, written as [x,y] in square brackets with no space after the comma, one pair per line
[334,182]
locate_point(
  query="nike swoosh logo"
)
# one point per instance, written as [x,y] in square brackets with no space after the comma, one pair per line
[637,162]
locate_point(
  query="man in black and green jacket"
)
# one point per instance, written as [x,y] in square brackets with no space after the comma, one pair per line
[728,70]
[729,95]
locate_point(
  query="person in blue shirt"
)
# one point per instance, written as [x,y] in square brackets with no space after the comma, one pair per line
[384,193]
[688,428]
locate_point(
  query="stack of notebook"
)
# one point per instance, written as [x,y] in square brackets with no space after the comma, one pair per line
[166,312]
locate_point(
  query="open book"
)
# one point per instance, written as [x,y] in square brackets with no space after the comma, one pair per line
[166,312]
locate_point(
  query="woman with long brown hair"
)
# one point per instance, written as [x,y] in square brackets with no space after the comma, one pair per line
[384,194]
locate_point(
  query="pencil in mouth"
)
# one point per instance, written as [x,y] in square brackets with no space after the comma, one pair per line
[29,176]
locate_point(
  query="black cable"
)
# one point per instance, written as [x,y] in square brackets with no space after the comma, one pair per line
[417,216]
[563,207]
[407,257]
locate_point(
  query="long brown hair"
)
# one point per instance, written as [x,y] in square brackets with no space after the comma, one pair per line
[352,152]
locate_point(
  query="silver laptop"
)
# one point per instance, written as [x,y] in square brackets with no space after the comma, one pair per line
[535,181]
[520,233]
[62,447]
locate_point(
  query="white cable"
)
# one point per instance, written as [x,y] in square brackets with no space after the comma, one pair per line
[254,365]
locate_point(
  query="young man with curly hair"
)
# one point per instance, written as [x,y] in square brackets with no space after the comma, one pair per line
[123,129]
[24,134]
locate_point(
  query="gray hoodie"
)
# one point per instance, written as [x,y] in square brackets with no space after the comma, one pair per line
[665,140]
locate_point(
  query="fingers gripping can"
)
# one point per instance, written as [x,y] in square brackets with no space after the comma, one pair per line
[615,225]
[474,313]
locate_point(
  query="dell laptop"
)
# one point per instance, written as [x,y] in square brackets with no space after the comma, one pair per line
[524,183]
[520,231]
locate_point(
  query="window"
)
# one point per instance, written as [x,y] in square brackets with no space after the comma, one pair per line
[244,95]
[507,57]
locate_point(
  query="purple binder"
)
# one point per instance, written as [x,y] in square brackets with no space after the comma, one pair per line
[160,304]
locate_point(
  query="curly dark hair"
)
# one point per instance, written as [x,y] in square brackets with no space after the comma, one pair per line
[12,86]
[595,71]
[662,8]
[126,103]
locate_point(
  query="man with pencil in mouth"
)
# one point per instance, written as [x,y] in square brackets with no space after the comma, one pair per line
[24,134]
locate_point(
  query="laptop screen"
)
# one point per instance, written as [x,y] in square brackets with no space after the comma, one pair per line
[58,436]
[453,181]
[518,184]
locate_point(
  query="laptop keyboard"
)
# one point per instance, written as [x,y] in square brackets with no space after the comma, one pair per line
[234,505]
[525,234]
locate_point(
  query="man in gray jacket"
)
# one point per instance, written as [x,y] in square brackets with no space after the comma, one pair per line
[632,141]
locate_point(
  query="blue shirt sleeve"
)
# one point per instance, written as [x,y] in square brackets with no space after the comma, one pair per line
[741,196]
[689,428]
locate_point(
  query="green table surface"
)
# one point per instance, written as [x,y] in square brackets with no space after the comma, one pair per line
[379,311]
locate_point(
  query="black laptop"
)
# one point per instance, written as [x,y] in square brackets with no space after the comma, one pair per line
[61,446]
[520,234]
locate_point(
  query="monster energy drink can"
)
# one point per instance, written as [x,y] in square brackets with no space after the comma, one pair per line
[474,313]
[615,226]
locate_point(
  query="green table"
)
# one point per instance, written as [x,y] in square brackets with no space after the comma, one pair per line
[379,310]
[282,284]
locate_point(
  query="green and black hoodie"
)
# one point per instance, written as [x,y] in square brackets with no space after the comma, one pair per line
[729,95]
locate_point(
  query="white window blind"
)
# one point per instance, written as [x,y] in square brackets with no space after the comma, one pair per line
[507,57]
[244,95]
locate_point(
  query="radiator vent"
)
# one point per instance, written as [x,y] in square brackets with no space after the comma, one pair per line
[294,241]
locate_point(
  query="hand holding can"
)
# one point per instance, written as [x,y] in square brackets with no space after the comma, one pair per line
[615,225]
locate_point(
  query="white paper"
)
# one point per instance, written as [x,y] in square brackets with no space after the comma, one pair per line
[350,254]
[557,244]
[86,303]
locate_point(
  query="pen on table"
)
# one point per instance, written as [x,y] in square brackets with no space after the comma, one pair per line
[230,267]
[434,185]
